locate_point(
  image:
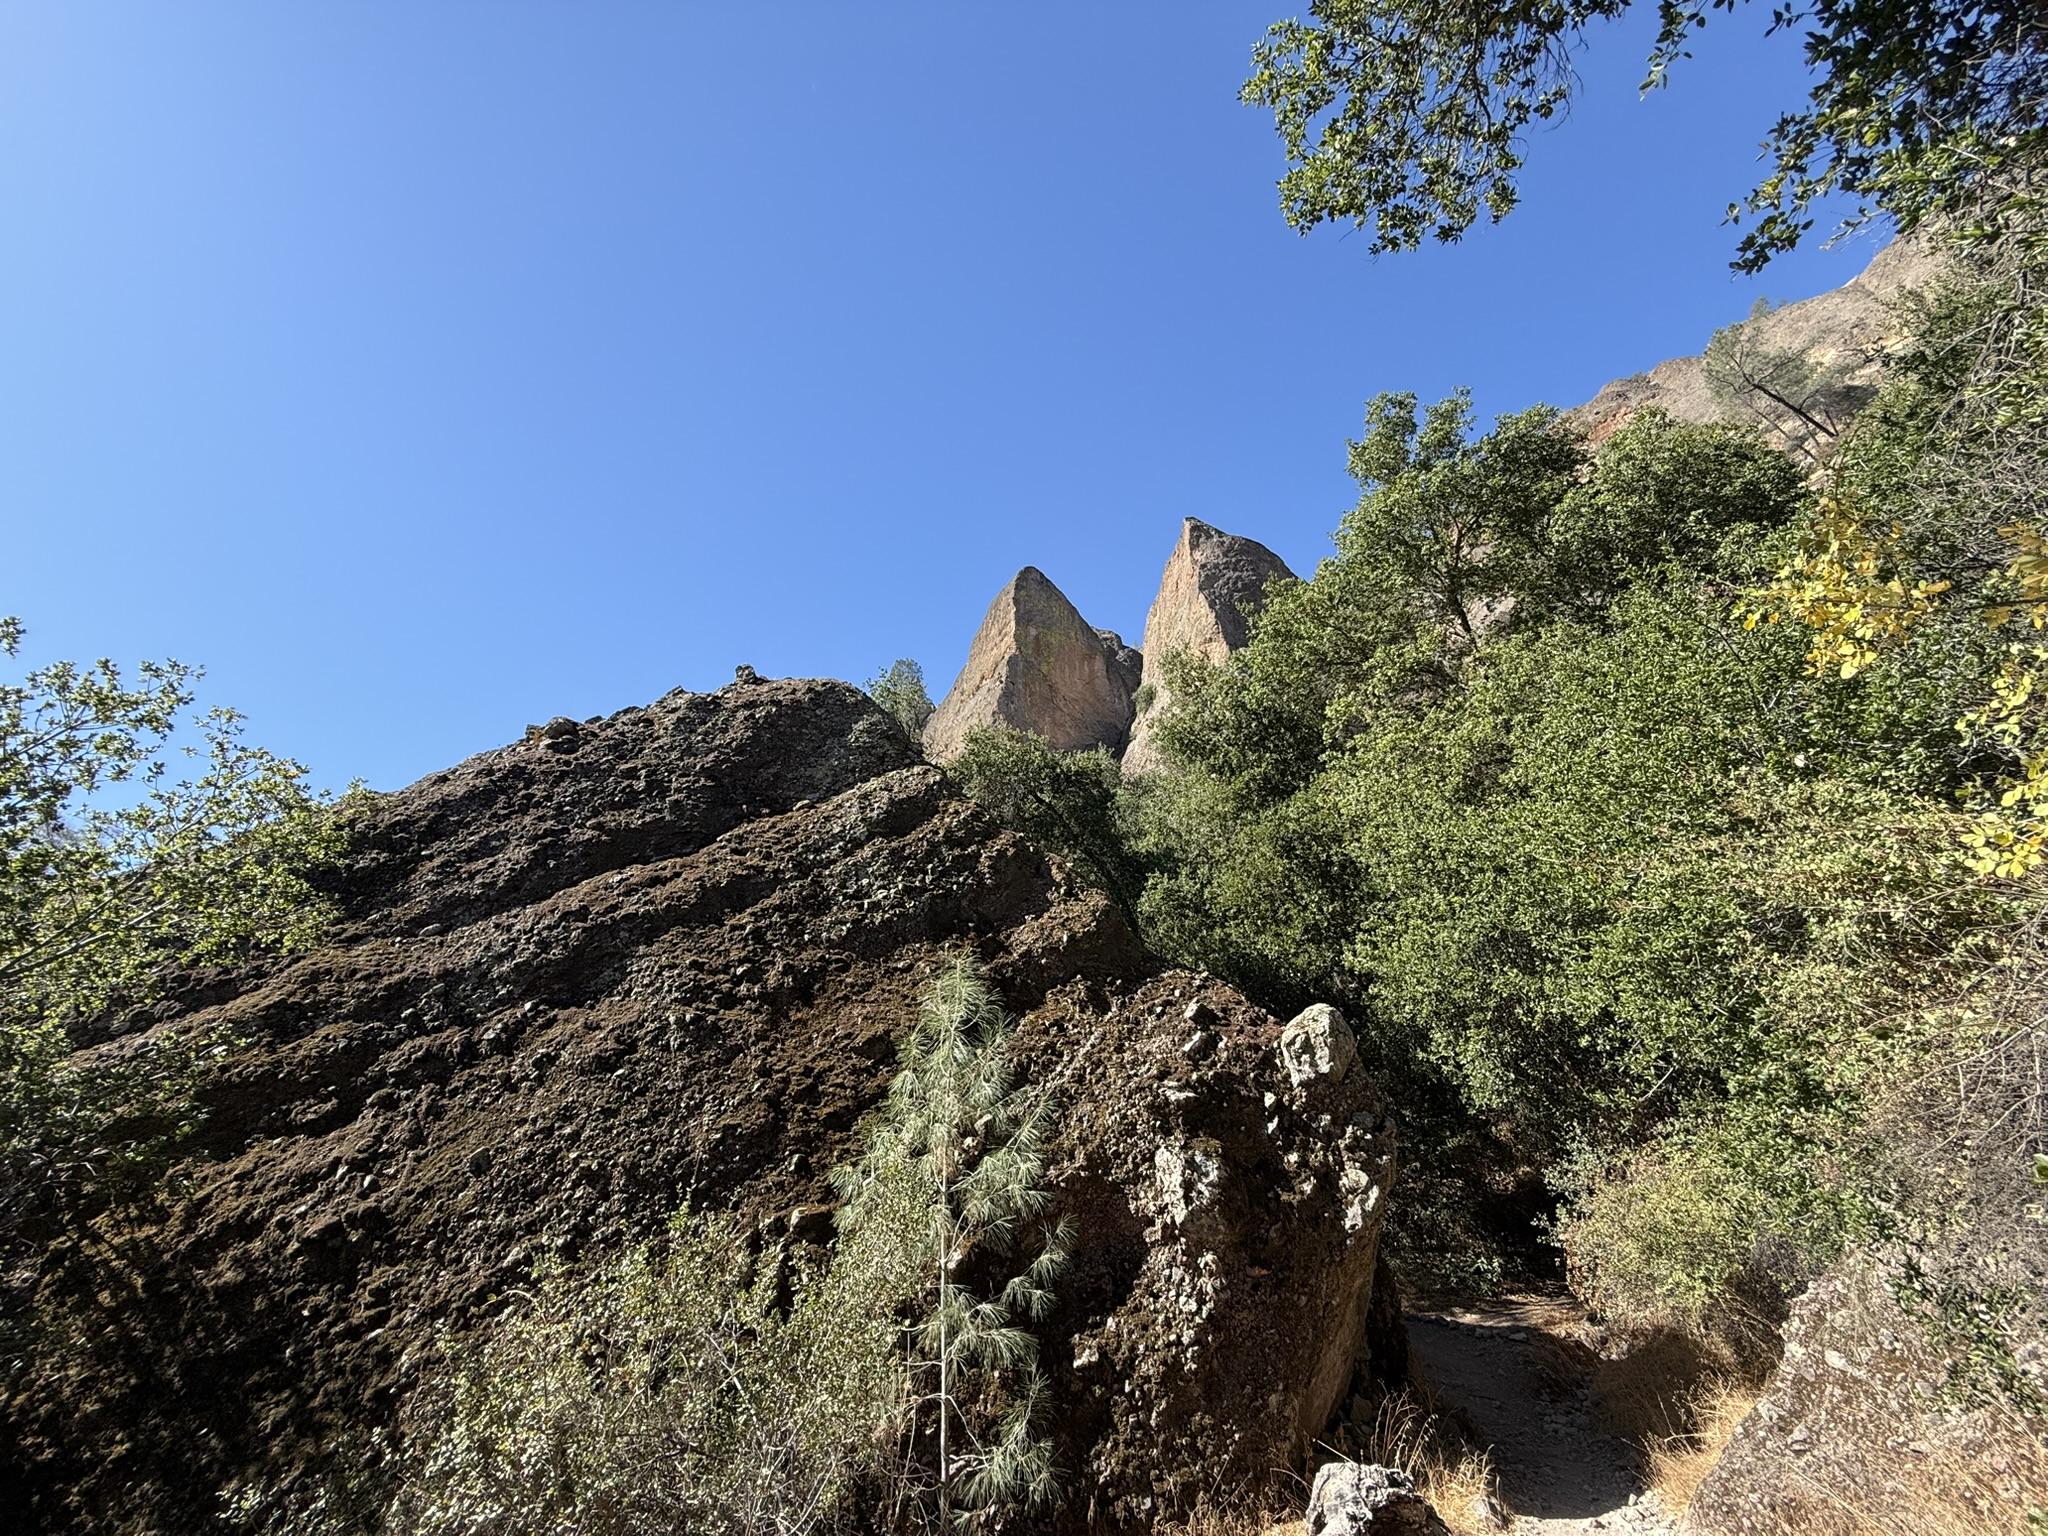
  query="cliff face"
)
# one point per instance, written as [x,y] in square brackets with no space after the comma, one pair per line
[1036,665]
[665,952]
[1212,581]
[1849,328]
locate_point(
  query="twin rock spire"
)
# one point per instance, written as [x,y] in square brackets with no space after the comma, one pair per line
[1037,665]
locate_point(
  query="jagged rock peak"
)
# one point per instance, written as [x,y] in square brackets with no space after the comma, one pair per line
[1212,581]
[1036,665]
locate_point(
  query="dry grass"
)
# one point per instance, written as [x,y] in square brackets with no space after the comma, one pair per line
[1215,1522]
[1986,1489]
[1675,1397]
[1408,1432]
[1676,1464]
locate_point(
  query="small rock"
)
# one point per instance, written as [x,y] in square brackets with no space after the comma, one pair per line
[1317,1044]
[1351,1499]
[1198,1045]
[432,931]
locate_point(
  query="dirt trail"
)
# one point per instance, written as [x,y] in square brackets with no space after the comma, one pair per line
[1559,1471]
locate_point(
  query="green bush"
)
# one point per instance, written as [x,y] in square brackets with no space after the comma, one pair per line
[664,1390]
[702,1384]
[1066,802]
[1609,878]
[900,691]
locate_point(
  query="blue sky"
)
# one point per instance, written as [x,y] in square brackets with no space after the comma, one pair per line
[428,369]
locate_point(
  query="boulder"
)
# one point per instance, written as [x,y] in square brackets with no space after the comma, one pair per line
[1317,1043]
[1350,1498]
[569,987]
[1036,665]
[1873,1412]
[1213,580]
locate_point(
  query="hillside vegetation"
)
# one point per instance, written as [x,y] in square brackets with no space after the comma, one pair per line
[1667,814]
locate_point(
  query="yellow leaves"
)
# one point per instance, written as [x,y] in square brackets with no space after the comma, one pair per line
[2028,575]
[2010,838]
[1854,588]
[1850,587]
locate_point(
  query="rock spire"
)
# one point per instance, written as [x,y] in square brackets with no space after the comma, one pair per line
[1037,666]
[1213,580]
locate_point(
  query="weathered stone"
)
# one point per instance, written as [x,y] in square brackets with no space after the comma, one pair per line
[1127,661]
[1211,582]
[1863,1420]
[1855,323]
[1037,666]
[1351,1498]
[565,988]
[1317,1043]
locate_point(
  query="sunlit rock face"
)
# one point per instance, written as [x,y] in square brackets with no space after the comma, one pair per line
[667,955]
[1852,326]
[1213,582]
[1036,665]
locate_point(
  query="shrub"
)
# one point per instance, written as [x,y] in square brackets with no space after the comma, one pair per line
[696,1384]
[663,1390]
[953,1179]
[900,691]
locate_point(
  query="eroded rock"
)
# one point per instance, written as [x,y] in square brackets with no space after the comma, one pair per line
[1036,665]
[1317,1043]
[1212,581]
[1853,325]
[1868,1416]
[569,987]
[1351,1498]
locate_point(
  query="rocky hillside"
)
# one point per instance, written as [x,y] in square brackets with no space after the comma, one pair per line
[1846,331]
[665,954]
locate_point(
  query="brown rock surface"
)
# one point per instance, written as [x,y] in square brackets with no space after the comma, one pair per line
[1868,1426]
[1212,580]
[1854,322]
[1037,666]
[668,951]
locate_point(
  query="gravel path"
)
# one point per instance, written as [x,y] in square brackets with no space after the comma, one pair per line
[1558,1470]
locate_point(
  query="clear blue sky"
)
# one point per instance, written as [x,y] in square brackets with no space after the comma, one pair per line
[426,369]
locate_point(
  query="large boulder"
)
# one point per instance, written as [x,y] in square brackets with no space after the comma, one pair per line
[1872,1421]
[1213,581]
[624,959]
[1036,665]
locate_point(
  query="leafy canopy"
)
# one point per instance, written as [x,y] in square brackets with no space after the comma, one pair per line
[1409,117]
[112,871]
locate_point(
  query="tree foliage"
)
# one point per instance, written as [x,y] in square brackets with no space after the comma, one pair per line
[1610,880]
[112,870]
[900,691]
[1409,117]
[1805,399]
[953,1179]
[1063,801]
